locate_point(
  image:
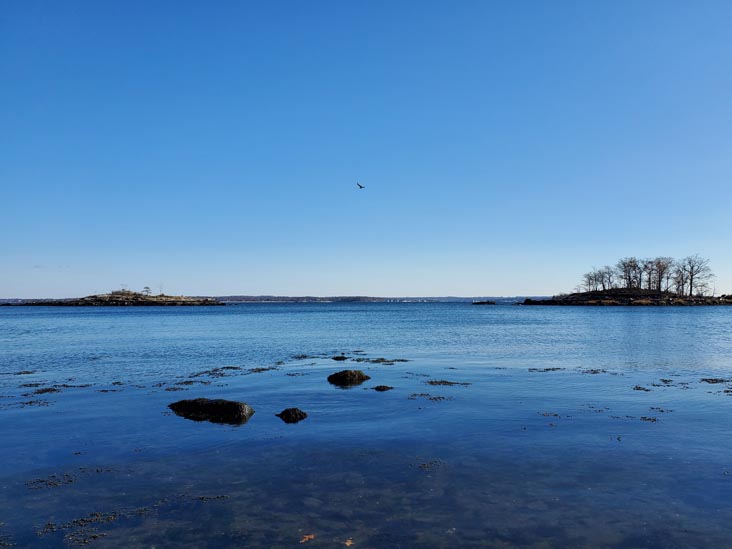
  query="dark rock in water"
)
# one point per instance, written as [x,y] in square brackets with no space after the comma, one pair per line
[382,388]
[340,357]
[346,378]
[484,302]
[216,410]
[292,415]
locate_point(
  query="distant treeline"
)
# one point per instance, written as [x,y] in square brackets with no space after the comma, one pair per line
[688,276]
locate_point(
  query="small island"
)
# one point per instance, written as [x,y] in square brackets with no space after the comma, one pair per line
[487,302]
[124,298]
[630,296]
[653,281]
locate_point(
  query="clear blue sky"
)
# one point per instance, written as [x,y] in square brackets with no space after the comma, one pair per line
[214,147]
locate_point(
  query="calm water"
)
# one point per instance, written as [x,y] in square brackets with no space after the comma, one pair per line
[579,427]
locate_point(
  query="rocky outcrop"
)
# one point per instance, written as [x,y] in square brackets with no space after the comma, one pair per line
[292,415]
[124,298]
[215,411]
[348,378]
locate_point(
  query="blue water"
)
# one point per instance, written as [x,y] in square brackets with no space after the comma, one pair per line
[579,427]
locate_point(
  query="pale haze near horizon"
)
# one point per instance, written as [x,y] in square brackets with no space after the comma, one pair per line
[215,149]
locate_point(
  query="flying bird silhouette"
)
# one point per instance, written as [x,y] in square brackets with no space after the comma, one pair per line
[360,186]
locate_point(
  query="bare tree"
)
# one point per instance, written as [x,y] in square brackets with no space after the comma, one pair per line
[647,268]
[663,271]
[637,270]
[587,282]
[591,281]
[698,273]
[607,277]
[598,279]
[146,290]
[627,270]
[679,277]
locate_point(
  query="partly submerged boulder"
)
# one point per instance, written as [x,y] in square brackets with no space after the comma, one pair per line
[347,378]
[292,415]
[216,410]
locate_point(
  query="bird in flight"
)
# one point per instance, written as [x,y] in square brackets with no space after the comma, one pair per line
[360,186]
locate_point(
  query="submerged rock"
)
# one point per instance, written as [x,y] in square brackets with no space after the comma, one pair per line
[382,388]
[216,410]
[347,378]
[292,415]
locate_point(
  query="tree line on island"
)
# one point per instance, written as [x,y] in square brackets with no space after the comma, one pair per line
[690,276]
[650,281]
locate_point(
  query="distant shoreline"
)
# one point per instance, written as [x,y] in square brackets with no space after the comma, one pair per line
[141,300]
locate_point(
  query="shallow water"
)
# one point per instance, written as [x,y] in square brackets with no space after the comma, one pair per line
[579,427]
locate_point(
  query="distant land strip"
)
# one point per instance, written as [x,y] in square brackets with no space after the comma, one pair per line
[126,298]
[365,299]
